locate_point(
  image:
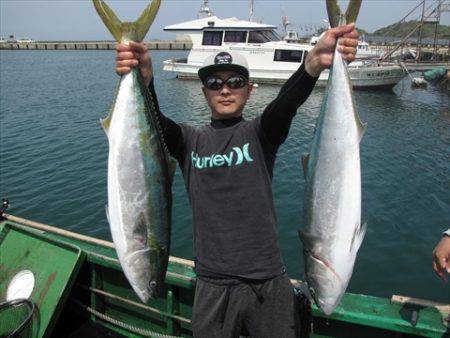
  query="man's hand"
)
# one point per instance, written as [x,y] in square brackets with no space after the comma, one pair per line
[321,56]
[441,257]
[134,55]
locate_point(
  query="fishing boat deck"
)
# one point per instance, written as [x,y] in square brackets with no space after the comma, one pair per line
[96,299]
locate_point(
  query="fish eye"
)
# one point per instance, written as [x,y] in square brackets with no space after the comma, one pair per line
[153,284]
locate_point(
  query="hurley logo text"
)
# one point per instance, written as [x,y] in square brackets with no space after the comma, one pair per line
[235,157]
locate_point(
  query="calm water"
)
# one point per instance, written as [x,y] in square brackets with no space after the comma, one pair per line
[53,156]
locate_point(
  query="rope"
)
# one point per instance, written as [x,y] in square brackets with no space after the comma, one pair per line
[130,302]
[406,69]
[131,328]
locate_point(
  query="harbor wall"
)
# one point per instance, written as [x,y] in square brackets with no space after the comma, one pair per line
[91,45]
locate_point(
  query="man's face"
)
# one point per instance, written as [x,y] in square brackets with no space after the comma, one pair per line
[226,102]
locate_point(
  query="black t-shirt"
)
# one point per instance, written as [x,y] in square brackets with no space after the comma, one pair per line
[227,167]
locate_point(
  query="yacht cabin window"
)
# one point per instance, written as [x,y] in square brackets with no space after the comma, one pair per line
[262,36]
[212,38]
[235,36]
[287,55]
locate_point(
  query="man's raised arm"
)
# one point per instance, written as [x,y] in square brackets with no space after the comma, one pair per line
[136,55]
[277,117]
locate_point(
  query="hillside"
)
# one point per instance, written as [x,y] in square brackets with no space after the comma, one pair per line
[401,29]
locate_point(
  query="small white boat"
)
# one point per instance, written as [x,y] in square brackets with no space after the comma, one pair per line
[270,58]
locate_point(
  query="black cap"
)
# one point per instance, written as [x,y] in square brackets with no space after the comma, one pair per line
[224,61]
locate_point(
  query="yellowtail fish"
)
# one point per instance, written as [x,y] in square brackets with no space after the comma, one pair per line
[332,232]
[140,171]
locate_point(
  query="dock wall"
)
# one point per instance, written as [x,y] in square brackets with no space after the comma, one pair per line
[92,45]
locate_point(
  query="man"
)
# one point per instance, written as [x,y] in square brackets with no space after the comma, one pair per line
[441,256]
[242,283]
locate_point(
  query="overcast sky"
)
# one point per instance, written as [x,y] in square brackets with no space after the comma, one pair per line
[77,19]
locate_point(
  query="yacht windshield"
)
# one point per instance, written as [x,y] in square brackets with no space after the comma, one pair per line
[273,35]
[262,36]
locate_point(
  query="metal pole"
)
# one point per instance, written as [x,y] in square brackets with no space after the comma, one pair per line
[438,19]
[419,43]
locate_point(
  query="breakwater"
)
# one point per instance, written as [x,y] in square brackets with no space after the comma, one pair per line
[91,45]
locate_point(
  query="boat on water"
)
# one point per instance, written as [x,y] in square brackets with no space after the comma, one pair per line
[57,283]
[270,58]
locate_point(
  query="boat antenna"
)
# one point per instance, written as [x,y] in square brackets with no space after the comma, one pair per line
[250,16]
[204,11]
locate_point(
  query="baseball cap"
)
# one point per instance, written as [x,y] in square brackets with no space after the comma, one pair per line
[224,61]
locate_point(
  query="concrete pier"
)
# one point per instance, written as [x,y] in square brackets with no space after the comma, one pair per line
[92,45]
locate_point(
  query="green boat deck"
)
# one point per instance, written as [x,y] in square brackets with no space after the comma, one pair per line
[80,289]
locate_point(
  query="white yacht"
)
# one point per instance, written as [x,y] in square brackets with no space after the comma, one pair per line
[270,59]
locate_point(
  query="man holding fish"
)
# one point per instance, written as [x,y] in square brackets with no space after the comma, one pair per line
[227,165]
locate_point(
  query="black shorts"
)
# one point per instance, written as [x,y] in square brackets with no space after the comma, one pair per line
[230,308]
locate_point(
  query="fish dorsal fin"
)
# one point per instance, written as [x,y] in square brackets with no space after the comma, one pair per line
[334,12]
[110,19]
[172,165]
[146,19]
[305,161]
[358,237]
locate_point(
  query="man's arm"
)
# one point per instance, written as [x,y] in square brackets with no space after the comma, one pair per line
[277,117]
[136,55]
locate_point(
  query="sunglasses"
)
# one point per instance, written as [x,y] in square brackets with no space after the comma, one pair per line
[216,83]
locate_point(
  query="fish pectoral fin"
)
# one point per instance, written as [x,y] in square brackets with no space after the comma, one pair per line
[105,124]
[107,213]
[362,130]
[305,161]
[146,19]
[110,19]
[358,237]
[307,238]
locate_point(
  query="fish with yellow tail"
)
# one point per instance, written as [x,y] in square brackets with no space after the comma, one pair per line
[332,232]
[140,170]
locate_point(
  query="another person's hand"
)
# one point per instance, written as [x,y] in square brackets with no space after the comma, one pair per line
[441,257]
[321,56]
[134,55]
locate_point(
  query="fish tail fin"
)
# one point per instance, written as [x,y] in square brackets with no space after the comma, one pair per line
[146,19]
[352,10]
[117,27]
[358,237]
[334,12]
[109,18]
